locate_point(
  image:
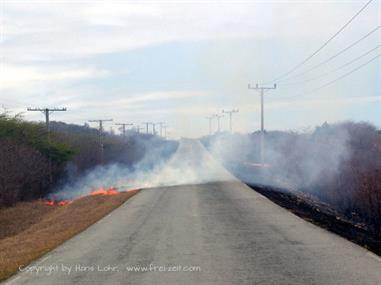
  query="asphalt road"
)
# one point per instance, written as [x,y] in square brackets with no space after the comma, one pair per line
[217,232]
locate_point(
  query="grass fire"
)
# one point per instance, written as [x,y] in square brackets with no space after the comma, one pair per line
[111,191]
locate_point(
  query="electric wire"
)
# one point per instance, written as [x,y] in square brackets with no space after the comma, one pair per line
[333,56]
[331,71]
[335,80]
[322,46]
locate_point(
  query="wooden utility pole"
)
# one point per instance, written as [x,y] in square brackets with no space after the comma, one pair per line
[230,117]
[161,124]
[218,121]
[147,125]
[138,129]
[47,112]
[100,132]
[124,127]
[210,124]
[262,89]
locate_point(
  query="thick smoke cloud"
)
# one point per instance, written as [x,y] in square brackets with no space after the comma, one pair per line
[162,165]
[340,164]
[292,160]
[156,153]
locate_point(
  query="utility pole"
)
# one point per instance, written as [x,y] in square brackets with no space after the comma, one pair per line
[161,127]
[124,127]
[230,117]
[218,122]
[147,125]
[165,131]
[262,89]
[100,132]
[47,112]
[210,124]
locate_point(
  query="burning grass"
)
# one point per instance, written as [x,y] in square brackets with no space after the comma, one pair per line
[31,229]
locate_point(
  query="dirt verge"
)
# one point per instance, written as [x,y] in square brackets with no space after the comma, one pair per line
[29,230]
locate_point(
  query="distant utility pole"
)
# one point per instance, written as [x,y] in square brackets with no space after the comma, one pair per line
[147,125]
[138,129]
[47,112]
[124,127]
[230,117]
[210,124]
[218,122]
[262,89]
[161,128]
[165,131]
[100,132]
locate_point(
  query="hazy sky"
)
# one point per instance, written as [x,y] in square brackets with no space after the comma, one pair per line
[180,61]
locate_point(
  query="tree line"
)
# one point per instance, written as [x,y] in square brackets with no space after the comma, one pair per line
[32,163]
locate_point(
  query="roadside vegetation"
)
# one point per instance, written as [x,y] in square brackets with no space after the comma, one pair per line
[340,164]
[33,165]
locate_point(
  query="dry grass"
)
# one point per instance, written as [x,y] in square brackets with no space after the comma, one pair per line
[31,229]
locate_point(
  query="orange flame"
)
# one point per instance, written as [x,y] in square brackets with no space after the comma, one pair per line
[60,203]
[101,191]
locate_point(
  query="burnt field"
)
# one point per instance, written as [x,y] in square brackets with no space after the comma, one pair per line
[333,174]
[322,214]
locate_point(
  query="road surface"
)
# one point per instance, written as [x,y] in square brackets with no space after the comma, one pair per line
[216,232]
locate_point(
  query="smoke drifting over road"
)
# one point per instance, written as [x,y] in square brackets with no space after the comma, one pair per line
[159,167]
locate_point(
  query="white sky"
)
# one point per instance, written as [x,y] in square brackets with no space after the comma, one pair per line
[180,61]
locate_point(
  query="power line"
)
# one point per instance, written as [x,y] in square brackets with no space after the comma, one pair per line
[47,112]
[334,56]
[210,123]
[334,70]
[165,131]
[161,124]
[218,122]
[138,129]
[230,117]
[100,132]
[147,126]
[123,126]
[262,91]
[324,44]
[333,81]
[154,129]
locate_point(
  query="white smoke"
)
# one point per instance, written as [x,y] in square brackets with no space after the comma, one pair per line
[291,160]
[190,164]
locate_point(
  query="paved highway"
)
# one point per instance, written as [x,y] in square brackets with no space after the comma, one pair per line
[216,232]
